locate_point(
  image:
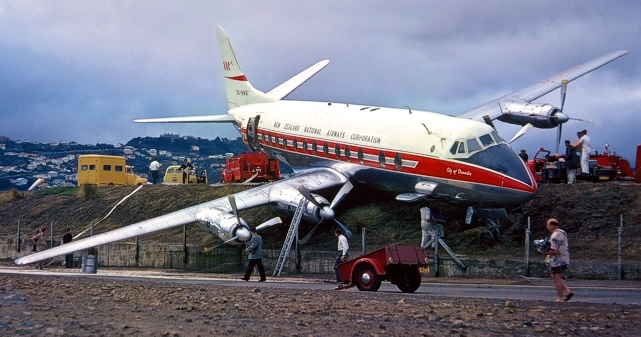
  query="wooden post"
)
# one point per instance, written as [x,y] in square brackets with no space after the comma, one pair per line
[363,241]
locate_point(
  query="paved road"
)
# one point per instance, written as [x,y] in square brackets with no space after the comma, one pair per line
[530,289]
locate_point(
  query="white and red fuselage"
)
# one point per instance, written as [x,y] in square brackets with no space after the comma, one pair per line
[396,150]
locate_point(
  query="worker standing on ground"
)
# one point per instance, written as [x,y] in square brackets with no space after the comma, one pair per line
[40,240]
[343,248]
[67,238]
[586,148]
[185,167]
[558,258]
[571,162]
[154,167]
[255,250]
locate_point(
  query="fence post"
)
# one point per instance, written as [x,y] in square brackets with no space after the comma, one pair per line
[185,253]
[137,252]
[363,241]
[51,246]
[18,241]
[527,248]
[621,247]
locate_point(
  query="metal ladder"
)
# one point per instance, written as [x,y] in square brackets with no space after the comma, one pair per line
[291,234]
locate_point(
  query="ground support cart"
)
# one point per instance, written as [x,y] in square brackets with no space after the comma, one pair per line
[398,264]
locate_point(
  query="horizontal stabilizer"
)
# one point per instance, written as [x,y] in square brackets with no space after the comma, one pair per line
[290,85]
[190,119]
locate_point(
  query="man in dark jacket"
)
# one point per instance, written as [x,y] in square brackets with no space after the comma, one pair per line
[68,237]
[571,162]
[255,250]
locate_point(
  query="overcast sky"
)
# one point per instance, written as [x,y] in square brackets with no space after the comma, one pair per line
[83,70]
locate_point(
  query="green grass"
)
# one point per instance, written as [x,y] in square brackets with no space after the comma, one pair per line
[68,190]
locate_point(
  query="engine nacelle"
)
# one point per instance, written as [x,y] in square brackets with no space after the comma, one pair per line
[540,115]
[286,201]
[222,224]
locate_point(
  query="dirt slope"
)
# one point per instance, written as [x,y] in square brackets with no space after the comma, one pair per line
[589,212]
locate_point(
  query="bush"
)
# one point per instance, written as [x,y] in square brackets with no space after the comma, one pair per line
[11,196]
[367,216]
[86,192]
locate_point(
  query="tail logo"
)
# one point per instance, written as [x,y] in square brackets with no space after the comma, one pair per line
[227,65]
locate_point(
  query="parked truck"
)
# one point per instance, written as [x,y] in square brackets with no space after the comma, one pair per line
[250,167]
[104,170]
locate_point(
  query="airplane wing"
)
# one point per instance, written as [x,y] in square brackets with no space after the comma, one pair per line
[290,85]
[495,108]
[281,191]
[190,119]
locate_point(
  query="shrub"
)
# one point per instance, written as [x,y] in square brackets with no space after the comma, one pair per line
[87,192]
[367,216]
[11,196]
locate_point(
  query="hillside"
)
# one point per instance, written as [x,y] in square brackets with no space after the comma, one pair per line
[588,212]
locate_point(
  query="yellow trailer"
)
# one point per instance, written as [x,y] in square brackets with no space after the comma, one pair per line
[104,170]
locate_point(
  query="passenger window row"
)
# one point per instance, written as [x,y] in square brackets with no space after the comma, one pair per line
[323,149]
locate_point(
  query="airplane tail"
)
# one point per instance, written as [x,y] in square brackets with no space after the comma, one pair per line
[238,89]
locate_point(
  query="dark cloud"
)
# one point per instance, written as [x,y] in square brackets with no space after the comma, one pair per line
[83,71]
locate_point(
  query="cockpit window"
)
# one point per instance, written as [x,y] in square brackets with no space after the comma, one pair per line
[461,148]
[497,137]
[472,145]
[454,147]
[486,140]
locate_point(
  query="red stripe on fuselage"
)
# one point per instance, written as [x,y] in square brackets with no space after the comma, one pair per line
[238,78]
[427,166]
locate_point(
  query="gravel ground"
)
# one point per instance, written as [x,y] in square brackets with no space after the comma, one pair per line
[57,305]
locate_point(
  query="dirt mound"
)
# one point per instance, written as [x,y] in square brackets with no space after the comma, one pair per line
[590,213]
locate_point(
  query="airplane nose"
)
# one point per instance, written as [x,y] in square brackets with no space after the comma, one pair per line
[502,159]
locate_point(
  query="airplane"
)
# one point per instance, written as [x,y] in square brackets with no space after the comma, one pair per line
[417,155]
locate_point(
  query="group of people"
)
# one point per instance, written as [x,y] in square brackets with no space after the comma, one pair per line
[185,168]
[40,244]
[577,155]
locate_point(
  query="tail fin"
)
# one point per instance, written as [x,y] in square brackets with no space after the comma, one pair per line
[238,89]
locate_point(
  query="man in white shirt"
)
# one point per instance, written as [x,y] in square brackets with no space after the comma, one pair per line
[153,170]
[342,256]
[586,148]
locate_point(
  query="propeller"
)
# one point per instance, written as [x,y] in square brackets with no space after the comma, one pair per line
[326,211]
[264,225]
[561,117]
[243,233]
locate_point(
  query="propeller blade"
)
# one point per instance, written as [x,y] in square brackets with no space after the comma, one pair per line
[214,247]
[269,223]
[559,130]
[305,192]
[527,127]
[341,194]
[232,202]
[347,232]
[564,89]
[308,236]
[582,120]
